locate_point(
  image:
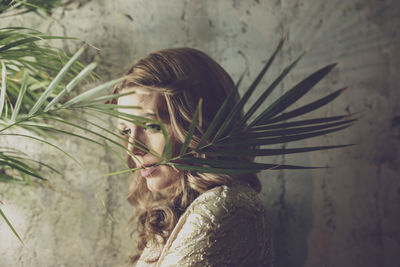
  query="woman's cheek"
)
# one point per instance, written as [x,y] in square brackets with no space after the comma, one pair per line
[164,178]
[157,143]
[157,184]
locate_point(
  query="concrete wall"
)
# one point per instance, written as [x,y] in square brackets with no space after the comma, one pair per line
[346,215]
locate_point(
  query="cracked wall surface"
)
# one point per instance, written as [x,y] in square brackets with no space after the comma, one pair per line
[344,215]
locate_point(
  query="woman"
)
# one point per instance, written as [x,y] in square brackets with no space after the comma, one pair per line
[186,218]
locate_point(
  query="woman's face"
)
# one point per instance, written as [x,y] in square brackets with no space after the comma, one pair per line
[161,176]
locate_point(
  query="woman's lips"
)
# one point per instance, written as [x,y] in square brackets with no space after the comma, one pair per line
[147,172]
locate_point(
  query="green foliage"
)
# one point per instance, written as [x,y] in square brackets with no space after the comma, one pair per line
[23,50]
[8,222]
[18,7]
[27,65]
[226,141]
[32,100]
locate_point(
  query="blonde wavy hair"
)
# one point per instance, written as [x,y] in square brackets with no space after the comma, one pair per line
[182,76]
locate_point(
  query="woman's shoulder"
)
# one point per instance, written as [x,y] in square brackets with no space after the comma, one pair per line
[224,226]
[224,200]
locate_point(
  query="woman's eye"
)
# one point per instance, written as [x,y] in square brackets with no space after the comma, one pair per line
[153,127]
[125,132]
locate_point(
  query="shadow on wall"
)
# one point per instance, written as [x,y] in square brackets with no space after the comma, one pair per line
[287,196]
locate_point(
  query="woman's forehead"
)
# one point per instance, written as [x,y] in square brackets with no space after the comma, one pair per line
[148,102]
[138,96]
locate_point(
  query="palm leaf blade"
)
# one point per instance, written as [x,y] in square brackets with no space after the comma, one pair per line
[307,108]
[167,152]
[103,99]
[192,126]
[122,171]
[3,87]
[45,142]
[40,163]
[4,178]
[86,71]
[301,122]
[55,81]
[233,164]
[71,134]
[220,115]
[30,40]
[92,92]
[120,115]
[239,106]
[81,128]
[292,95]
[24,169]
[285,131]
[267,92]
[279,140]
[267,151]
[238,171]
[10,225]
[20,96]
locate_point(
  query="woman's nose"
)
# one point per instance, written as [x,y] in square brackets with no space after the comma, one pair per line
[135,144]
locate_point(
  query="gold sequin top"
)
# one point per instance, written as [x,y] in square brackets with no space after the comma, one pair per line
[224,226]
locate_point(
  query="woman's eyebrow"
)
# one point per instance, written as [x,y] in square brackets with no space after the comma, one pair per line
[162,115]
[121,124]
[148,114]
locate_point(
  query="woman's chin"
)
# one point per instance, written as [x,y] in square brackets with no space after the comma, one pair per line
[157,184]
[162,179]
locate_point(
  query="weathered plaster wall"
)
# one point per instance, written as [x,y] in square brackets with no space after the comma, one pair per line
[347,215]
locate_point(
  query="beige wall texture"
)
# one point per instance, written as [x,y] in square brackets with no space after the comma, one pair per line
[345,215]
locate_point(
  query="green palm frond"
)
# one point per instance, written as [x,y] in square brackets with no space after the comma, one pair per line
[27,67]
[231,136]
[291,96]
[191,129]
[26,51]
[3,87]
[268,91]
[8,222]
[221,113]
[228,137]
[65,69]
[31,120]
[18,7]
[14,163]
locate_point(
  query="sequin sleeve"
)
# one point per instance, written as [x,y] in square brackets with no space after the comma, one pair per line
[223,227]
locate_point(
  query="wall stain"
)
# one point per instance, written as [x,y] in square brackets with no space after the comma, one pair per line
[378,229]
[246,60]
[282,253]
[183,14]
[129,17]
[395,127]
[328,208]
